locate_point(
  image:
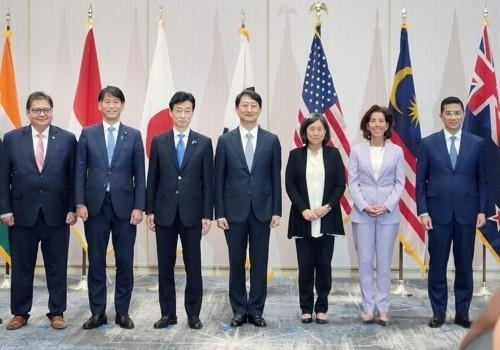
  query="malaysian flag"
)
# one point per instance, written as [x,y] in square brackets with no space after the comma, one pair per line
[482,118]
[319,95]
[403,106]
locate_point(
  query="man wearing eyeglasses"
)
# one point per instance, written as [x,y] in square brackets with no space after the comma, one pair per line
[36,202]
[451,204]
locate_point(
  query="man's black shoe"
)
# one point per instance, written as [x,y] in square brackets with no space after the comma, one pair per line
[257,320]
[238,320]
[436,321]
[165,321]
[463,321]
[95,321]
[194,322]
[124,321]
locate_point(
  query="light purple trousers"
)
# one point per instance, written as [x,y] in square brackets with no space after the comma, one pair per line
[375,244]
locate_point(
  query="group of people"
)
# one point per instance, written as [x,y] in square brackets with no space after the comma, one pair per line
[48,180]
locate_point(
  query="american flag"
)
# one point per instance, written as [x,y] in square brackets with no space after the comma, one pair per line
[482,118]
[319,95]
[403,106]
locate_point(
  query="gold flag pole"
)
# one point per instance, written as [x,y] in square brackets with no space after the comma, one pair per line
[401,286]
[6,281]
[483,291]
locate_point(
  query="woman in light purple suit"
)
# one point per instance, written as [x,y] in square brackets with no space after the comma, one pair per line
[376,181]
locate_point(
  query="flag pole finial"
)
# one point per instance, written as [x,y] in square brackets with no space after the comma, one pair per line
[7,19]
[485,15]
[90,12]
[403,17]
[317,7]
[160,16]
[242,15]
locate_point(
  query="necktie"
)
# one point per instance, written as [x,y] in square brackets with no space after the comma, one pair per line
[453,152]
[39,155]
[180,149]
[249,151]
[111,143]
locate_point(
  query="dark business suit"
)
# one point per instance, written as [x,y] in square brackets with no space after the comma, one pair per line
[110,211]
[40,202]
[248,198]
[452,198]
[180,197]
[314,255]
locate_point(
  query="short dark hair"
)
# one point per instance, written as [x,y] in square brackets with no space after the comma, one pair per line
[449,100]
[38,95]
[308,121]
[250,92]
[181,96]
[112,91]
[389,119]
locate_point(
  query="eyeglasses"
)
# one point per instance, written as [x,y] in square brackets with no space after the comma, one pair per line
[39,111]
[449,114]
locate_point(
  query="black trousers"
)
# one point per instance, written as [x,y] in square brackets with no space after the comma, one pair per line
[253,234]
[440,239]
[314,257]
[97,232]
[166,247]
[24,242]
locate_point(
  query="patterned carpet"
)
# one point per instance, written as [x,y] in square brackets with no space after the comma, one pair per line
[407,329]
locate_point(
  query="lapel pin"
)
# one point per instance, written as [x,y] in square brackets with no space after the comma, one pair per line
[194,142]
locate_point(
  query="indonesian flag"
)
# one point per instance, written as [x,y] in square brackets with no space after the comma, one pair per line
[88,87]
[156,115]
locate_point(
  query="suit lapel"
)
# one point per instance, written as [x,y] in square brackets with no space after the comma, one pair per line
[191,143]
[442,144]
[51,142]
[27,147]
[170,147]
[366,158]
[121,138]
[236,140]
[101,142]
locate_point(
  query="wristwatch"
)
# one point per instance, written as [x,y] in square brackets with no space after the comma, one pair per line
[328,206]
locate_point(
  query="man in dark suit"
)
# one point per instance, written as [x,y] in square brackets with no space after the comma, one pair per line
[247,204]
[179,202]
[451,203]
[36,202]
[110,194]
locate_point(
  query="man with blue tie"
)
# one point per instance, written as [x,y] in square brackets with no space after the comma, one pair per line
[110,195]
[36,202]
[179,203]
[247,204]
[451,204]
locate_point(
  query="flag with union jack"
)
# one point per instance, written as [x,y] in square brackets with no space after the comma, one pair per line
[482,118]
[319,95]
[403,107]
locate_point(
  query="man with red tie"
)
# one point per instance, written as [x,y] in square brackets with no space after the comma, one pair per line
[36,202]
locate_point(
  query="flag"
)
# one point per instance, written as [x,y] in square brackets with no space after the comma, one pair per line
[9,109]
[242,79]
[85,106]
[89,85]
[403,107]
[319,95]
[156,115]
[482,118]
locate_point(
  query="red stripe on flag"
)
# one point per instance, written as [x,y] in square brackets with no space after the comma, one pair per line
[412,220]
[89,85]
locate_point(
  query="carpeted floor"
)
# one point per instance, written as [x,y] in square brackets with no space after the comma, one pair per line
[407,329]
